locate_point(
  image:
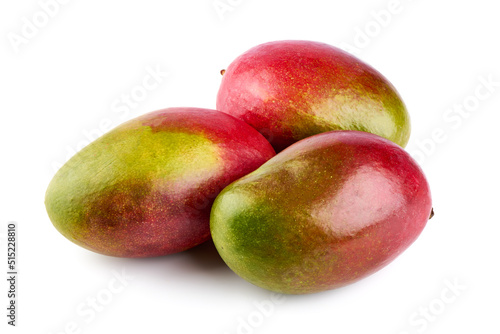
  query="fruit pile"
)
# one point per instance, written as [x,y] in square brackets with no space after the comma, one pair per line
[340,200]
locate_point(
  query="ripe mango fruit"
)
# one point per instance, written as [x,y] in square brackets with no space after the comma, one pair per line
[290,90]
[325,212]
[146,187]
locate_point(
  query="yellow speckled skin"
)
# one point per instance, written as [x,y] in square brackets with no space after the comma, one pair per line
[325,212]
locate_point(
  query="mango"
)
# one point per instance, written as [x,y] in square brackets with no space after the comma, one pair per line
[290,90]
[326,212]
[146,187]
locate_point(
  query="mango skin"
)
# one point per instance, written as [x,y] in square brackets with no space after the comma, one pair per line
[290,90]
[146,187]
[326,212]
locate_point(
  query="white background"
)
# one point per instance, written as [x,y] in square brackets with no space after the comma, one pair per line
[63,83]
